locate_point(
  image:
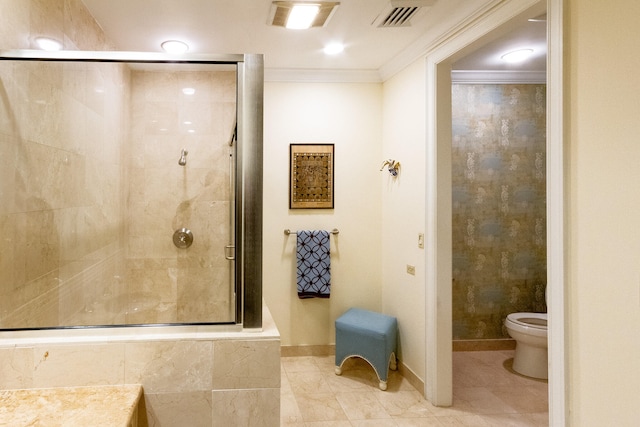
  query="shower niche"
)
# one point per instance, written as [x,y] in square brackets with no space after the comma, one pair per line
[109,155]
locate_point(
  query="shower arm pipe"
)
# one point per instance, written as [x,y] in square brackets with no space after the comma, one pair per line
[115,56]
[288,232]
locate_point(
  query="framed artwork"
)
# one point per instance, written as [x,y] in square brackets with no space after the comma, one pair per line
[311,176]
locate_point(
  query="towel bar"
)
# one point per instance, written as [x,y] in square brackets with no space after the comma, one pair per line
[287,231]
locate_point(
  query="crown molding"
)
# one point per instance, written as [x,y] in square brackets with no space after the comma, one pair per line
[498,77]
[434,39]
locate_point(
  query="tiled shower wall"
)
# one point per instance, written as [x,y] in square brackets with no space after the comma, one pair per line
[499,206]
[89,204]
[172,111]
[225,379]
[62,126]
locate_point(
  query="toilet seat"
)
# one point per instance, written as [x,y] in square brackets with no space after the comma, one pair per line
[528,323]
[530,320]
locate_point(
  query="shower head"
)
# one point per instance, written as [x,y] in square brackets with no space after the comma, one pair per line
[183,157]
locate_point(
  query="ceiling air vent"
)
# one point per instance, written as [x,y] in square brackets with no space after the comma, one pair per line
[400,12]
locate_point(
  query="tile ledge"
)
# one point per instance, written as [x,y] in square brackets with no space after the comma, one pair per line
[113,405]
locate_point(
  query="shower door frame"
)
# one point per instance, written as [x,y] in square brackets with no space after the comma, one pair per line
[248,183]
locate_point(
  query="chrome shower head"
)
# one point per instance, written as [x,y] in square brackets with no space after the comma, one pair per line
[183,157]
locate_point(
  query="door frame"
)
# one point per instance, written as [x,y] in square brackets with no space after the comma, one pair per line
[438,309]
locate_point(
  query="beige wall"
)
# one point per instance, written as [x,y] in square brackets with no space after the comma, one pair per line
[403,210]
[349,116]
[603,222]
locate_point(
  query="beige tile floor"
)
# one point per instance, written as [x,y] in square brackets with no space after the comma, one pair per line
[486,393]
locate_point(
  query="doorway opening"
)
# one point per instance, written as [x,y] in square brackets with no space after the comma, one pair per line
[438,384]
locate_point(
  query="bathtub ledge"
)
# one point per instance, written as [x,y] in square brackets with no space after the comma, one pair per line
[71,406]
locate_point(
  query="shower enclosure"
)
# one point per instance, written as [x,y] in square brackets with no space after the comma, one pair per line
[130,189]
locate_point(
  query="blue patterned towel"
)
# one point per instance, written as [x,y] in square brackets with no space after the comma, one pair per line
[314,264]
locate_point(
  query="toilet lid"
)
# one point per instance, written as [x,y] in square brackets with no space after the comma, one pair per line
[531,320]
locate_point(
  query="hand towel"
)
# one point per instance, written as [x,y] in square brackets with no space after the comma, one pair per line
[314,264]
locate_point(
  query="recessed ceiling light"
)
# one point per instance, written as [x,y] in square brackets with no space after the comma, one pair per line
[516,56]
[48,44]
[333,48]
[188,90]
[174,46]
[302,16]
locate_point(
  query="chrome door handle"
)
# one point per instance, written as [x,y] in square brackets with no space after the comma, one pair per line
[230,249]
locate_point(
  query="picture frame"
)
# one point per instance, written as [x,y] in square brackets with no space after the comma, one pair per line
[311,176]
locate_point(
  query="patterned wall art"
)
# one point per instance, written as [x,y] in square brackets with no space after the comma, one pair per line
[499,206]
[311,176]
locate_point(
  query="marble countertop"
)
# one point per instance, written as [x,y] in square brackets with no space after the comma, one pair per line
[70,406]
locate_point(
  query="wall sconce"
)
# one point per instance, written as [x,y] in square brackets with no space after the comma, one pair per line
[392,165]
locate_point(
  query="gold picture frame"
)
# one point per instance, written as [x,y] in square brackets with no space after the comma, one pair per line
[311,176]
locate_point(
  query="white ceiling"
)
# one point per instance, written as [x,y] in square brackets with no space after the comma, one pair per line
[240,26]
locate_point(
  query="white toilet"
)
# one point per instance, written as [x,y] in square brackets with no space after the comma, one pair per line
[530,332]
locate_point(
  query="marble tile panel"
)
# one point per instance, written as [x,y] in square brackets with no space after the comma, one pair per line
[201,118]
[81,28]
[16,367]
[13,261]
[324,424]
[309,382]
[257,407]
[77,406]
[170,366]
[405,404]
[320,407]
[418,422]
[362,406]
[374,423]
[361,381]
[46,17]
[15,31]
[174,409]
[300,364]
[524,399]
[480,400]
[464,421]
[511,420]
[41,123]
[160,86]
[289,410]
[203,82]
[246,364]
[224,86]
[78,365]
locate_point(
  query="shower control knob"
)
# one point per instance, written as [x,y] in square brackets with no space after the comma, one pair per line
[182,238]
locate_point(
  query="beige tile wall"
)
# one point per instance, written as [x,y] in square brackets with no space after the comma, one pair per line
[89,202]
[193,284]
[79,239]
[62,126]
[228,379]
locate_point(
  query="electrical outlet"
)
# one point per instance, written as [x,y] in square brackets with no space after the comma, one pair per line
[411,269]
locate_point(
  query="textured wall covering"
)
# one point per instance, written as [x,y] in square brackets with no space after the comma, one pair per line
[499,208]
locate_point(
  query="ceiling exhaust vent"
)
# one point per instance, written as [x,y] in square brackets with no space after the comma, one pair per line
[400,12]
[280,11]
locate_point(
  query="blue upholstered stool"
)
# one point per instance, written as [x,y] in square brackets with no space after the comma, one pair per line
[369,335]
